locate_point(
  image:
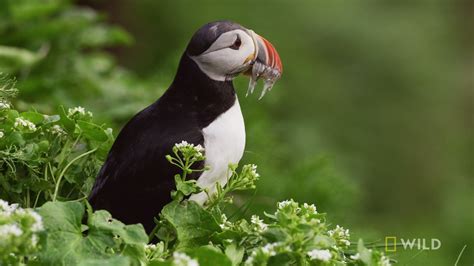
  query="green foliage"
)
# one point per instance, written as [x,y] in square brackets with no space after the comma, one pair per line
[48,157]
[189,234]
[69,242]
[19,232]
[296,234]
[57,52]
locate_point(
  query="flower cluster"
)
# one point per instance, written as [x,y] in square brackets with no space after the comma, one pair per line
[57,130]
[181,259]
[249,176]
[225,224]
[320,254]
[4,105]
[184,156]
[244,180]
[260,255]
[341,235]
[258,225]
[19,230]
[189,150]
[292,212]
[295,234]
[24,125]
[1,134]
[78,113]
[155,251]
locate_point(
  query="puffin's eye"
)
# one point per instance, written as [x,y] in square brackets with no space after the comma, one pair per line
[236,44]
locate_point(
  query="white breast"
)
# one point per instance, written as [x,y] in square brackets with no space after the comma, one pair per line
[224,141]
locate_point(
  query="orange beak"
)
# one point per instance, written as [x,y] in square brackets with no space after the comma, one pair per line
[267,54]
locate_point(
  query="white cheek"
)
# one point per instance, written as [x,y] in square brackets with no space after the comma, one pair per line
[219,64]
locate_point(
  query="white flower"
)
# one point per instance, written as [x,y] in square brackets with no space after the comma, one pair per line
[190,149]
[355,256]
[185,144]
[341,235]
[38,224]
[269,249]
[34,240]
[4,105]
[253,171]
[1,134]
[150,247]
[10,229]
[181,259]
[311,208]
[21,123]
[384,261]
[3,205]
[57,130]
[6,208]
[78,110]
[283,204]
[225,223]
[249,261]
[260,226]
[320,254]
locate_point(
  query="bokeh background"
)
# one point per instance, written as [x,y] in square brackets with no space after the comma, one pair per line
[372,120]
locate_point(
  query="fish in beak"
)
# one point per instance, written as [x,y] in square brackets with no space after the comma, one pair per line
[265,64]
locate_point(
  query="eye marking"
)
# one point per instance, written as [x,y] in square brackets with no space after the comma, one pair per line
[236,44]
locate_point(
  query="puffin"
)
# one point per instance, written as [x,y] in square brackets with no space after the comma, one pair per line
[200,107]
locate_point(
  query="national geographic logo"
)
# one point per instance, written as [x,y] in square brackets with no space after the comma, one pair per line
[391,243]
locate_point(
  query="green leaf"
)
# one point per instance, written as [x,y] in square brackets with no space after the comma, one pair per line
[194,225]
[51,118]
[92,131]
[12,115]
[15,138]
[113,261]
[208,255]
[103,35]
[160,263]
[67,123]
[14,58]
[24,10]
[34,117]
[235,253]
[67,244]
[187,187]
[282,259]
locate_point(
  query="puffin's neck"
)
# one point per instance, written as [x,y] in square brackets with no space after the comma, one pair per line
[200,94]
[194,81]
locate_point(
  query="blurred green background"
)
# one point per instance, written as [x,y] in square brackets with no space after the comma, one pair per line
[372,119]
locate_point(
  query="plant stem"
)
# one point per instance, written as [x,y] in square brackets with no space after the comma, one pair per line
[152,234]
[58,182]
[37,198]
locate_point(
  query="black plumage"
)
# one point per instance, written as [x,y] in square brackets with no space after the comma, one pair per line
[136,180]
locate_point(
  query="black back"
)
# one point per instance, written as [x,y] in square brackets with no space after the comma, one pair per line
[136,180]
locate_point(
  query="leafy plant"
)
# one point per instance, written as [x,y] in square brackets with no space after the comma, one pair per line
[57,51]
[19,232]
[295,234]
[48,157]
[102,239]
[52,158]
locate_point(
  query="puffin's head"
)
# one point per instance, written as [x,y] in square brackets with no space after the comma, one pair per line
[224,49]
